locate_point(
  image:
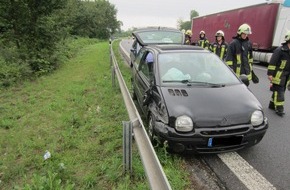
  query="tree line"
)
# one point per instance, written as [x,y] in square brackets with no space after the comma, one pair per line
[33,33]
[186,25]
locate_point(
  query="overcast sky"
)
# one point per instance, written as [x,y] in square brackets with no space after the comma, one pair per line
[142,13]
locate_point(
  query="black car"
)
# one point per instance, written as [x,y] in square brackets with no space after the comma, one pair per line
[154,35]
[194,102]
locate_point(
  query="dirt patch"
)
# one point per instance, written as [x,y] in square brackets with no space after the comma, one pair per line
[201,175]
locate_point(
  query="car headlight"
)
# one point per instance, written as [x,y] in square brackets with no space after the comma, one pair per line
[183,124]
[257,118]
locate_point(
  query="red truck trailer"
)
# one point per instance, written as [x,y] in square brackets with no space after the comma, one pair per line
[269,23]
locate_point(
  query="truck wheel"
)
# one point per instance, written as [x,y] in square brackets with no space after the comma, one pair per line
[151,132]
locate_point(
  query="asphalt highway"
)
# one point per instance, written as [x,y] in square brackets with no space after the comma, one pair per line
[271,157]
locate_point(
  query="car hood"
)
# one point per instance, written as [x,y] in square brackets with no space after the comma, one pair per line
[224,106]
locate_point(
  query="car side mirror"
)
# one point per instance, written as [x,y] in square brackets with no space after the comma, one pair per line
[245,79]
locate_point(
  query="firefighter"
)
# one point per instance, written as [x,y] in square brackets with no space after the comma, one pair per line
[278,74]
[203,41]
[219,47]
[188,35]
[240,54]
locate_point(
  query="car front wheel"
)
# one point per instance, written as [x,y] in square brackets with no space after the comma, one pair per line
[151,133]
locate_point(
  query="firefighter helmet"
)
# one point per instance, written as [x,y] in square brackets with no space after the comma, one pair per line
[287,36]
[202,32]
[244,28]
[220,33]
[188,32]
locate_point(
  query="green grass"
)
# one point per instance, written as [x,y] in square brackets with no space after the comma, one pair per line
[76,115]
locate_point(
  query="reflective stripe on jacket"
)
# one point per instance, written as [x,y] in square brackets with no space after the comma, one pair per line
[204,43]
[219,49]
[279,66]
[240,57]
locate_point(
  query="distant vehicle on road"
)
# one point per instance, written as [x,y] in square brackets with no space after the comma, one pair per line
[268,21]
[194,102]
[154,36]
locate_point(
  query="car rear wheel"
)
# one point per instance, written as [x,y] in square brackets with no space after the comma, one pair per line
[151,132]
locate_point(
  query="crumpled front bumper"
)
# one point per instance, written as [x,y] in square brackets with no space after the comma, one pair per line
[211,140]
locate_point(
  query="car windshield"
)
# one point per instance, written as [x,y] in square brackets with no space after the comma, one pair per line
[161,37]
[195,68]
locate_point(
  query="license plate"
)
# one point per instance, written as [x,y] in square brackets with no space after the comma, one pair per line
[224,141]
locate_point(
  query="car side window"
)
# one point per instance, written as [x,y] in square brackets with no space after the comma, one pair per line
[146,64]
[138,47]
[134,45]
[139,58]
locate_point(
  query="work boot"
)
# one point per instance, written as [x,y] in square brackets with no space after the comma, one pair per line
[280,113]
[271,106]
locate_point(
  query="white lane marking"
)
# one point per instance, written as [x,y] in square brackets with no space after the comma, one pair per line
[250,177]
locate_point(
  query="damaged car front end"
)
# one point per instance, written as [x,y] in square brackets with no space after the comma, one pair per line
[186,130]
[194,102]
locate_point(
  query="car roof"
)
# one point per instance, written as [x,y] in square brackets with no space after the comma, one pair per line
[158,35]
[152,28]
[163,48]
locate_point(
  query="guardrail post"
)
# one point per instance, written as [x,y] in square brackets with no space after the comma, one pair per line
[127,147]
[112,65]
[113,76]
[111,52]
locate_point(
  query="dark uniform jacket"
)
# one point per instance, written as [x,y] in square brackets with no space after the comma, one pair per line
[219,49]
[203,42]
[240,56]
[187,39]
[279,66]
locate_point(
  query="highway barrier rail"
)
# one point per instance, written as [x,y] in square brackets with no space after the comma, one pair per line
[153,169]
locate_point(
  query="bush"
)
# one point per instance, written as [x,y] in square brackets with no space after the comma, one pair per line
[17,66]
[11,73]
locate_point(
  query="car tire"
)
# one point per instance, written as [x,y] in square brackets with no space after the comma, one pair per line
[151,132]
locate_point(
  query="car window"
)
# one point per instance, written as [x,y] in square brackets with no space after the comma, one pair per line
[146,64]
[161,37]
[195,67]
[136,46]
[139,57]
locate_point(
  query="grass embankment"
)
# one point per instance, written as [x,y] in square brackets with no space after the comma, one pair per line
[76,115]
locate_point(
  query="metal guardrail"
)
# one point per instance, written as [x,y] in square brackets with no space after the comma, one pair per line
[153,169]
